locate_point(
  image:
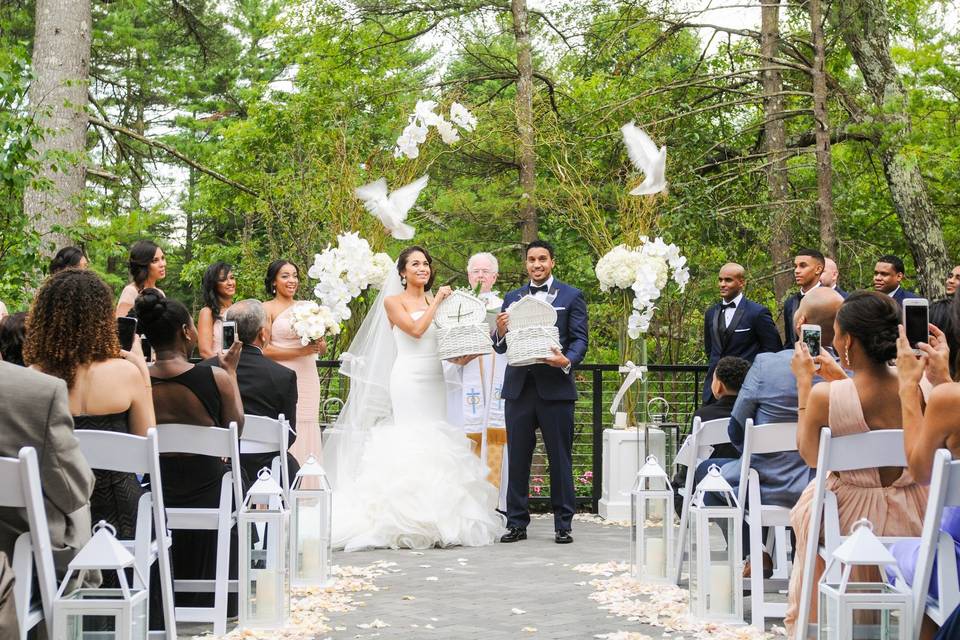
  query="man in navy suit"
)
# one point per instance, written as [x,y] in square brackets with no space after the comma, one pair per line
[888,276]
[830,277]
[543,395]
[735,326]
[807,267]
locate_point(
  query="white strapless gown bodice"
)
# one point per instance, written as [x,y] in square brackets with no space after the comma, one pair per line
[418,484]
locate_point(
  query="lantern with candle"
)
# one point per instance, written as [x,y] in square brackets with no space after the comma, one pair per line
[311,503]
[118,613]
[865,609]
[263,576]
[716,575]
[651,524]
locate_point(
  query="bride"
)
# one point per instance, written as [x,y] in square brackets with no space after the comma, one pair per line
[403,476]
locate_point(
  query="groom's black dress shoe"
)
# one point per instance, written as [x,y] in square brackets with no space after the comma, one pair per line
[563,537]
[514,534]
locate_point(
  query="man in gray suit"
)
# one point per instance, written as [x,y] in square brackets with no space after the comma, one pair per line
[35,412]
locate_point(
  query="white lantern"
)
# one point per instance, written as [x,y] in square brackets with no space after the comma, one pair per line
[264,576]
[651,524]
[864,610]
[118,613]
[716,553]
[311,503]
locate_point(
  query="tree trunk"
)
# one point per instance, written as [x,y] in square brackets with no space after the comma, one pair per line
[821,128]
[528,154]
[58,99]
[775,139]
[864,25]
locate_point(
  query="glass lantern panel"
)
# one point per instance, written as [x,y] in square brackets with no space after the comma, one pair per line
[312,535]
[140,620]
[720,584]
[862,620]
[265,573]
[92,627]
[655,537]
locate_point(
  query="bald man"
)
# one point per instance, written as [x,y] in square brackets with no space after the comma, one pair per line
[735,326]
[830,277]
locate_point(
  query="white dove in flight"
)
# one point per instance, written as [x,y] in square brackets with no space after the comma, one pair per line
[647,158]
[392,209]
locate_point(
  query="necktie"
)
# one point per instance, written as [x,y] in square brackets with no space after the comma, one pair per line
[535,288]
[723,313]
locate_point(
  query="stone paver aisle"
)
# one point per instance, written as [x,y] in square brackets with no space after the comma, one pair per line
[465,593]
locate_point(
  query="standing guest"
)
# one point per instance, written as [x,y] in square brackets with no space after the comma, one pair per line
[940,309]
[831,277]
[147,267]
[266,388]
[888,278]
[68,257]
[866,340]
[543,396]
[218,288]
[13,332]
[187,394]
[109,389]
[35,412]
[282,282]
[735,326]
[807,267]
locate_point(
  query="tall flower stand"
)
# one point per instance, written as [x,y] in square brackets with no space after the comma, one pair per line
[623,453]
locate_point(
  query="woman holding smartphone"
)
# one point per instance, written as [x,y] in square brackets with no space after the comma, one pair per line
[147,267]
[282,282]
[218,289]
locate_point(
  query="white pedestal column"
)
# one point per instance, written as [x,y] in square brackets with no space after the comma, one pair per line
[620,466]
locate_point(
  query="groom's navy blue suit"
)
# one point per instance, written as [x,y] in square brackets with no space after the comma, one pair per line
[542,396]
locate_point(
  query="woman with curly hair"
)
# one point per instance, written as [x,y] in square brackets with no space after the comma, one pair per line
[72,334]
[218,288]
[147,267]
[865,337]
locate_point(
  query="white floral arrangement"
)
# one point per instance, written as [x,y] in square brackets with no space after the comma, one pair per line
[312,321]
[345,271]
[646,270]
[423,117]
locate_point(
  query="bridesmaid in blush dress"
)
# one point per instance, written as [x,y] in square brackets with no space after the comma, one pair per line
[282,282]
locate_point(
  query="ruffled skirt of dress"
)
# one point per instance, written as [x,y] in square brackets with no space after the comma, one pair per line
[416,487]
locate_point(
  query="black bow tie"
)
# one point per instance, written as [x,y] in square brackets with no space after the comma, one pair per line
[728,305]
[534,288]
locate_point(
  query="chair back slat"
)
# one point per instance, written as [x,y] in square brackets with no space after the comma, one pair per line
[193,439]
[113,451]
[774,437]
[11,489]
[713,432]
[879,448]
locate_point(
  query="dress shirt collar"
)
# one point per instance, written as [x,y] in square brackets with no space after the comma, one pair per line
[548,283]
[894,292]
[803,293]
[736,301]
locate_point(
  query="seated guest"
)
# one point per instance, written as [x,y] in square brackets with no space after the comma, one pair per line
[68,257]
[187,394]
[13,332]
[109,390]
[866,339]
[218,289]
[888,277]
[266,388]
[35,412]
[147,267]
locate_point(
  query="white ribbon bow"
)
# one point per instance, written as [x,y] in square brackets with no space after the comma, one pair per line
[348,358]
[634,372]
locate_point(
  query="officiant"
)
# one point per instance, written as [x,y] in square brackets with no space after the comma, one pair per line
[482,379]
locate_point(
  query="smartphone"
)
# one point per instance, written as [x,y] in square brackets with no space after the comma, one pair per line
[916,320]
[229,331]
[126,329]
[810,334]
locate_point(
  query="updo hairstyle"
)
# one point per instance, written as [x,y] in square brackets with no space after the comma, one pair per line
[404,257]
[873,319]
[141,256]
[160,318]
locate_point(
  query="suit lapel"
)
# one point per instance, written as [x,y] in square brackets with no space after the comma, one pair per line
[737,315]
[715,326]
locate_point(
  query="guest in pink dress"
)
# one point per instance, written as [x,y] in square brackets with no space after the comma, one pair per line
[218,288]
[865,337]
[282,282]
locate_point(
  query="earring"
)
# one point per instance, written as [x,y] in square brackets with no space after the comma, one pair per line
[846,355]
[403,280]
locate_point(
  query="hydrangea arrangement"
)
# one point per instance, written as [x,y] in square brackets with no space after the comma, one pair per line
[345,271]
[312,321]
[423,117]
[646,270]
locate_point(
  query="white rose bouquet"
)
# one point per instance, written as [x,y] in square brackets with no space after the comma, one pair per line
[345,271]
[312,321]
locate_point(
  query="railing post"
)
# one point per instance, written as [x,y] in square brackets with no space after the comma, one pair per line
[597,456]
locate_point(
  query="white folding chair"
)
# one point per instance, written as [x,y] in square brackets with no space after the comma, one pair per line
[219,443]
[696,448]
[944,492]
[127,453]
[266,435]
[774,437]
[20,489]
[880,448]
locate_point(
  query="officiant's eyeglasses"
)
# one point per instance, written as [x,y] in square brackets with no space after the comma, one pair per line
[481,272]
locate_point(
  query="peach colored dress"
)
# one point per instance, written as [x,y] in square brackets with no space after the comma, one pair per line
[308,388]
[896,510]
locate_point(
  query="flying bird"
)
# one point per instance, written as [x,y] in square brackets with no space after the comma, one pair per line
[392,209]
[647,158]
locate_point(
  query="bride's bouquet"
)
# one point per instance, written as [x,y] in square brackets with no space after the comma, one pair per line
[312,321]
[345,271]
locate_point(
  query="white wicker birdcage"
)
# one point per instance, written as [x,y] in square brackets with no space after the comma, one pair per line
[532,333]
[462,329]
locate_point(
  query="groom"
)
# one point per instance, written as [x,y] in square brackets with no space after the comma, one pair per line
[543,395]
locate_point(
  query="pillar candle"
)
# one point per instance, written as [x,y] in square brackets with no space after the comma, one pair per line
[308,539]
[655,555]
[620,420]
[266,593]
[721,589]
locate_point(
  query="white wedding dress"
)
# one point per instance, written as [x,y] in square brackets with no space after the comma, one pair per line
[418,484]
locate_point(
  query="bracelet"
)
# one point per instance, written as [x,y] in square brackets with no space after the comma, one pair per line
[801,408]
